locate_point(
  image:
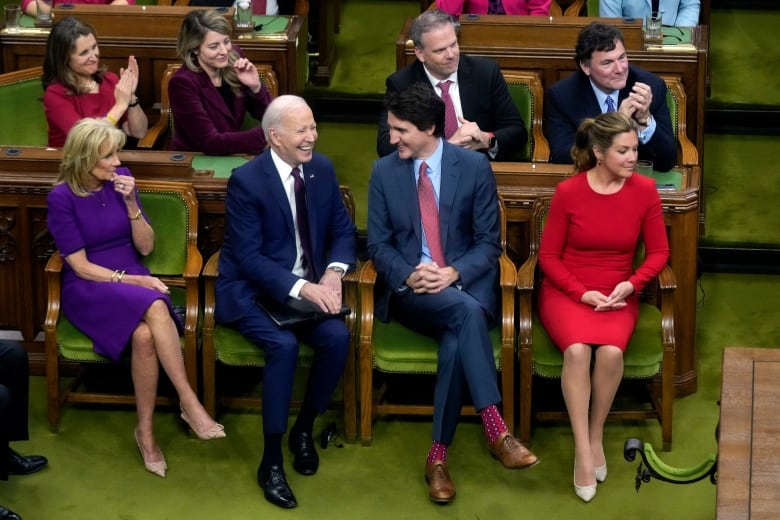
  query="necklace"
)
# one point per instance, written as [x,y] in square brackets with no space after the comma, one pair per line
[90,86]
[100,195]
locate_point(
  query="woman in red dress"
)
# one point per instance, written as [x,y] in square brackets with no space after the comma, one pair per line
[588,299]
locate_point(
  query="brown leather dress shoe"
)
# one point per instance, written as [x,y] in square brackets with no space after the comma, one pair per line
[440,488]
[511,453]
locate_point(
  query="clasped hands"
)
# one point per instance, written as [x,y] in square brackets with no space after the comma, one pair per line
[470,136]
[430,278]
[616,300]
[326,294]
[637,104]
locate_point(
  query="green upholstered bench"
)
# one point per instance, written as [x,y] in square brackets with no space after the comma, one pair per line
[21,108]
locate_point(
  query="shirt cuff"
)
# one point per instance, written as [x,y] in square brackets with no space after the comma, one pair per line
[295,292]
[647,134]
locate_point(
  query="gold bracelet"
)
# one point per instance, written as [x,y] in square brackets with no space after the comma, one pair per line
[112,119]
[114,275]
[121,275]
[136,216]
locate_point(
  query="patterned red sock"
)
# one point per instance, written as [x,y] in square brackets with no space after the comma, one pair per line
[493,422]
[438,452]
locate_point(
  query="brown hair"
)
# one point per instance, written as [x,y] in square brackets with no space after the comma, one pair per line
[59,46]
[191,34]
[598,132]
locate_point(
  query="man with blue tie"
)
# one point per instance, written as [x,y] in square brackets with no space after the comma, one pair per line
[433,234]
[287,235]
[606,82]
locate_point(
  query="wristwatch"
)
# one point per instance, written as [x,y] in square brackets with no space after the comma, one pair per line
[337,269]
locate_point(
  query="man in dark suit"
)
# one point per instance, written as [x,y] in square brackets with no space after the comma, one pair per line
[485,117]
[605,83]
[287,235]
[14,390]
[433,234]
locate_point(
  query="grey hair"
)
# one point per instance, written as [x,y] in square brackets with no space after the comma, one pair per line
[427,21]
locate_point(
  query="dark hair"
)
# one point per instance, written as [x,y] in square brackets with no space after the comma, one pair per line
[419,105]
[598,132]
[427,21]
[596,37]
[59,46]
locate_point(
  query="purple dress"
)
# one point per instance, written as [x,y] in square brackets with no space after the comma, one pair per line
[107,312]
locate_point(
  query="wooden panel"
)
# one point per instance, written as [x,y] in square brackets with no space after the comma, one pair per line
[748,454]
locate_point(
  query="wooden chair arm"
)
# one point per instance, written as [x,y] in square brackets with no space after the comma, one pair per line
[155,133]
[667,282]
[688,155]
[210,271]
[53,288]
[541,146]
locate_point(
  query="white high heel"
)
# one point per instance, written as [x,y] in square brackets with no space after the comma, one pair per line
[586,493]
[601,472]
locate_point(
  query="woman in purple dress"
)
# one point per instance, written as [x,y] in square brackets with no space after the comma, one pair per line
[97,222]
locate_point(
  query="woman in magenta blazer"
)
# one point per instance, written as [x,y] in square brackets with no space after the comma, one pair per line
[527,7]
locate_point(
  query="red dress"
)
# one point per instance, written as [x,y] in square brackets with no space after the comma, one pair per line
[588,243]
[63,109]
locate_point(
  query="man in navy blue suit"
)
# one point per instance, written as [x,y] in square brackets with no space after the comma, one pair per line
[487,118]
[14,397]
[605,82]
[287,235]
[440,276]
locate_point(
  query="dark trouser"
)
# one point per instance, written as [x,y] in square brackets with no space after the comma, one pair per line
[330,340]
[14,392]
[460,324]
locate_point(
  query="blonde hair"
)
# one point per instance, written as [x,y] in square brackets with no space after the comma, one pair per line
[85,145]
[598,132]
[191,34]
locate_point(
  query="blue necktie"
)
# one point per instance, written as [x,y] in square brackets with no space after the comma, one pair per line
[610,104]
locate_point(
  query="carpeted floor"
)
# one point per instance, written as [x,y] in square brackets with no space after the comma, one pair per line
[96,473]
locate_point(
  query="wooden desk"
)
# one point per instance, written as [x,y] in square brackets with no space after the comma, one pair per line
[546,45]
[748,452]
[149,33]
[521,184]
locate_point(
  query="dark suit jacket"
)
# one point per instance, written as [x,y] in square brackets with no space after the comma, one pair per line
[258,252]
[204,123]
[484,98]
[468,215]
[572,99]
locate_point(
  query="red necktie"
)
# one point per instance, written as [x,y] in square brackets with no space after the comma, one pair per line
[258,7]
[302,219]
[450,119]
[430,215]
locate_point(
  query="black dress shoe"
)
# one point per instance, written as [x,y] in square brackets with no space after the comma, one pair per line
[21,465]
[7,514]
[275,487]
[306,460]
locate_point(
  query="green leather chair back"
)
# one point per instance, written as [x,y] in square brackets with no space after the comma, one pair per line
[524,100]
[593,7]
[525,89]
[21,101]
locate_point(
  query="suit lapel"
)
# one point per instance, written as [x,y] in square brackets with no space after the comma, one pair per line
[214,98]
[450,176]
[274,183]
[407,191]
[467,86]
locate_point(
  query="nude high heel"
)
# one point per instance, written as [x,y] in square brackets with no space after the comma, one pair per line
[157,467]
[601,472]
[215,432]
[586,493]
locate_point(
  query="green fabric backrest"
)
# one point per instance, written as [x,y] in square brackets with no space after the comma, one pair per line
[169,217]
[524,100]
[21,113]
[593,7]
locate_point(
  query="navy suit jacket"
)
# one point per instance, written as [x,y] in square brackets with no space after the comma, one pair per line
[484,98]
[572,99]
[468,215]
[203,122]
[258,252]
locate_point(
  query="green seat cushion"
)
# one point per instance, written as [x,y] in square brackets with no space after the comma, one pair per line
[401,350]
[76,346]
[643,356]
[232,348]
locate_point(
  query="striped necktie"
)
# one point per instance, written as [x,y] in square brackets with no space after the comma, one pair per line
[610,104]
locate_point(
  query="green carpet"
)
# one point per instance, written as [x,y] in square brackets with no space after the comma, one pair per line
[96,472]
